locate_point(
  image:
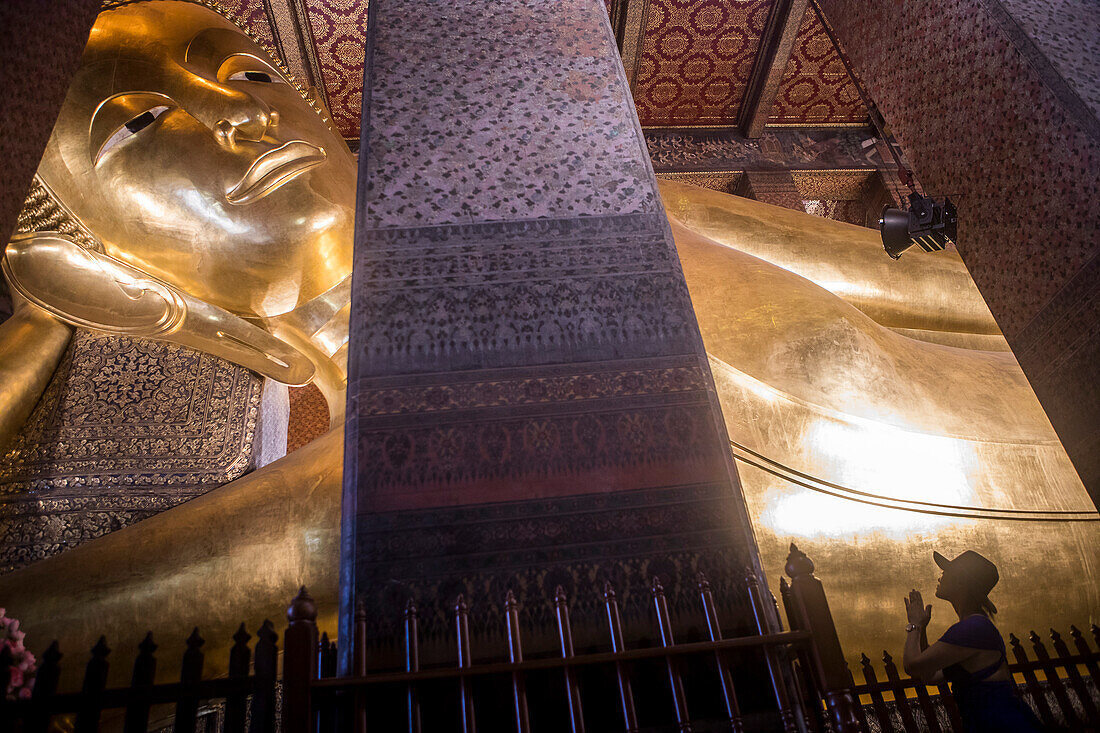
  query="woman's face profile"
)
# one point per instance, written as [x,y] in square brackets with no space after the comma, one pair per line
[186,151]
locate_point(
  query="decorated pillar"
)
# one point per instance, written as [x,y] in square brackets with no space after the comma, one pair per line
[529,401]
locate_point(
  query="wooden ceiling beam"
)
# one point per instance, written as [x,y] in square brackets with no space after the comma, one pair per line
[634,16]
[776,45]
[294,38]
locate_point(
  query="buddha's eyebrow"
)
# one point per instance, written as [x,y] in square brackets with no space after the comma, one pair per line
[193,46]
[203,47]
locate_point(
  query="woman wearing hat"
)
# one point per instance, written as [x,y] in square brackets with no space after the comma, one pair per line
[970,654]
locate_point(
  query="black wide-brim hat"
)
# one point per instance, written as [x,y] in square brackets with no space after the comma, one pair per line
[975,568]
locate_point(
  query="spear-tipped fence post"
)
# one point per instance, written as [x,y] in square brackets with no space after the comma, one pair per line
[326,667]
[932,723]
[515,656]
[412,663]
[1075,681]
[326,657]
[465,684]
[664,631]
[240,657]
[1082,649]
[45,686]
[1054,681]
[263,698]
[299,663]
[565,635]
[901,700]
[145,670]
[615,628]
[877,701]
[1032,682]
[359,665]
[811,611]
[187,707]
[95,679]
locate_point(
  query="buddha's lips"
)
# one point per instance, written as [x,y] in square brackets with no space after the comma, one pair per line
[274,168]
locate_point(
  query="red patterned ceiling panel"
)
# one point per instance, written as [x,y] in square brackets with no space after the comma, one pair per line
[252,16]
[340,34]
[816,88]
[696,60]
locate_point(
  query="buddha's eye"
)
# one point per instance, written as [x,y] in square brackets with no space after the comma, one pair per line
[260,76]
[130,128]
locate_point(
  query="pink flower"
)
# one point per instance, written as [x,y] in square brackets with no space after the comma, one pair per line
[21,679]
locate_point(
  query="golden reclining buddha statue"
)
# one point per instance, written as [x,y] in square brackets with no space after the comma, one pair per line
[192,192]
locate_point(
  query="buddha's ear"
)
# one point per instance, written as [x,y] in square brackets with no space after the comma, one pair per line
[98,292]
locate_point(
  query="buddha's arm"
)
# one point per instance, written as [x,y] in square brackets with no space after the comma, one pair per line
[787,332]
[31,345]
[929,292]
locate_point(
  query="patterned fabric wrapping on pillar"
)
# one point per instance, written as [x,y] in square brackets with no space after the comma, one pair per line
[529,399]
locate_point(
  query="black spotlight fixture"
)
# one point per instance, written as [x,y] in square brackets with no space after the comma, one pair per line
[928,224]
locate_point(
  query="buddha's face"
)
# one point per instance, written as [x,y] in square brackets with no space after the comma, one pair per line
[184,149]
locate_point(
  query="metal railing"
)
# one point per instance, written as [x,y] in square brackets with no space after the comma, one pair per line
[1064,699]
[794,679]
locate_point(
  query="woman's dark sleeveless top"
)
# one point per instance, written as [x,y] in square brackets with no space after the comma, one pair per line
[984,704]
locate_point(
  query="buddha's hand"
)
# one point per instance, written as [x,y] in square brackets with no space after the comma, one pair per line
[915,610]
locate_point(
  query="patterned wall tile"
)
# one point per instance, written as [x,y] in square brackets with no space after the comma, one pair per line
[816,88]
[340,33]
[697,57]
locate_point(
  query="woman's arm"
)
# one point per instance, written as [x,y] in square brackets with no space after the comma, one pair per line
[925,664]
[918,659]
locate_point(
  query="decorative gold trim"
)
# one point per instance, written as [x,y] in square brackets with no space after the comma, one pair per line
[282,27]
[309,45]
[832,170]
[819,125]
[637,18]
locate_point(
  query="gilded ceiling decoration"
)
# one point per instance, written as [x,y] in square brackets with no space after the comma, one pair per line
[696,60]
[252,15]
[697,56]
[340,34]
[816,88]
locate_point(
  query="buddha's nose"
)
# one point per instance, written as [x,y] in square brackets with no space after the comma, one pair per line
[251,124]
